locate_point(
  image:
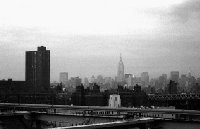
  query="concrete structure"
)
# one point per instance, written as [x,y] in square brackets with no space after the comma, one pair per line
[38,70]
[120,71]
[114,101]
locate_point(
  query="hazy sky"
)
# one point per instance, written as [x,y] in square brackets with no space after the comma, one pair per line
[86,37]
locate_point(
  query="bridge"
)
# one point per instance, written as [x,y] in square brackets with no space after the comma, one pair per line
[180,101]
[174,97]
[139,123]
[92,108]
[67,115]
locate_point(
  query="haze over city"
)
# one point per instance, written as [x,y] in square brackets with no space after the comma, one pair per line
[86,37]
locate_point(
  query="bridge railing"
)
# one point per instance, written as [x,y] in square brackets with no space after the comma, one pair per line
[174,96]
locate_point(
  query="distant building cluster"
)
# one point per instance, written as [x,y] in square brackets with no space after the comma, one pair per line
[37,79]
[105,83]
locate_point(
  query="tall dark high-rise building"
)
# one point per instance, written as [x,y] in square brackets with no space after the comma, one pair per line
[38,70]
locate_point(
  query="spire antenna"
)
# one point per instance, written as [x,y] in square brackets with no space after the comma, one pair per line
[120,57]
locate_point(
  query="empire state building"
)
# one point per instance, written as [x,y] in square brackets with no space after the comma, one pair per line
[120,72]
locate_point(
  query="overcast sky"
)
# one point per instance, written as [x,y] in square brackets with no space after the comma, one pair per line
[86,37]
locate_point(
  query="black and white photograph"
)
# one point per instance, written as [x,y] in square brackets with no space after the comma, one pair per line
[99,64]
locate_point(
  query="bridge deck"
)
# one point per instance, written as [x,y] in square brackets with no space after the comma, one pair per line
[121,109]
[17,113]
[111,124]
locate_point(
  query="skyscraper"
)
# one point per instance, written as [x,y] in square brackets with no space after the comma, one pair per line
[162,81]
[63,77]
[38,70]
[145,78]
[120,71]
[175,76]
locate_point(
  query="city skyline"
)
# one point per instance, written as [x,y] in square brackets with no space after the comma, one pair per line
[117,75]
[99,64]
[153,36]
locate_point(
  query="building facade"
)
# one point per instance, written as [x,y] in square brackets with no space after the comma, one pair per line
[114,101]
[145,78]
[174,76]
[38,70]
[12,87]
[64,78]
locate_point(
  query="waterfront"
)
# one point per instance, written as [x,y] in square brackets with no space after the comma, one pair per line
[43,116]
[16,124]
